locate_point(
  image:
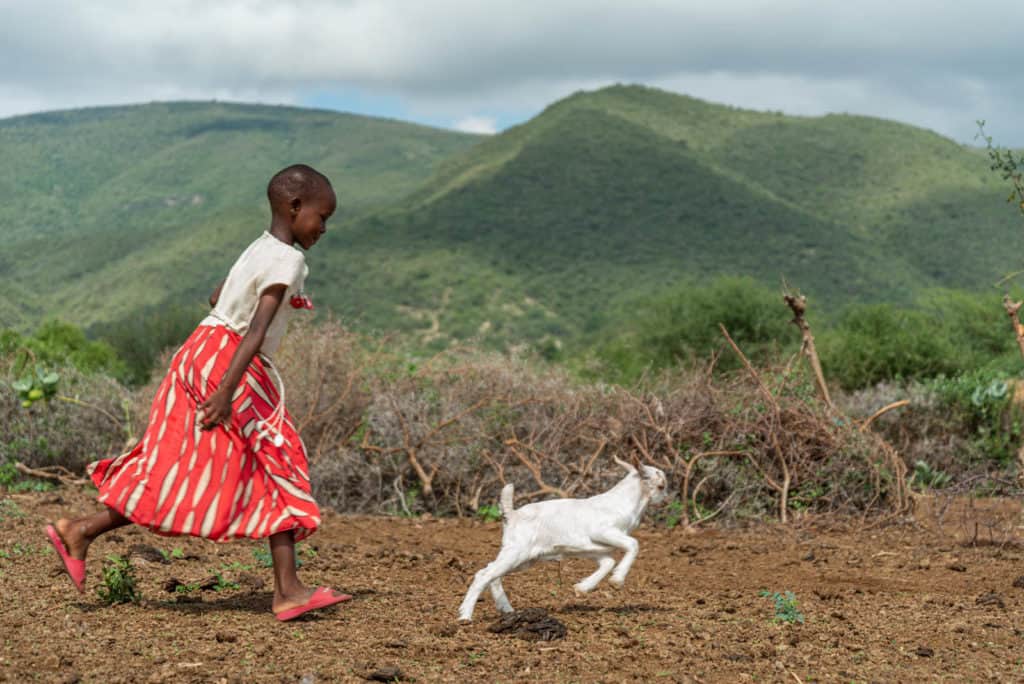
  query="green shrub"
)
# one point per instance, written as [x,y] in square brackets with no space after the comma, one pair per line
[682,326]
[982,401]
[876,342]
[60,344]
[975,323]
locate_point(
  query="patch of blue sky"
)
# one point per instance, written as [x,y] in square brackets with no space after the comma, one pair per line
[395,107]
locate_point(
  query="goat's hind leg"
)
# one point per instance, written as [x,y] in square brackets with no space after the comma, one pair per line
[500,599]
[505,563]
[604,566]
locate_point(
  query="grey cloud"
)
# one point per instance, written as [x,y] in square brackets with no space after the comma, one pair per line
[468,57]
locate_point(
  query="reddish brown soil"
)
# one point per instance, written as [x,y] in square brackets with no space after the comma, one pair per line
[897,603]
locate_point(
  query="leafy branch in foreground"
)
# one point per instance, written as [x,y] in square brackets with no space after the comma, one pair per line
[1009,165]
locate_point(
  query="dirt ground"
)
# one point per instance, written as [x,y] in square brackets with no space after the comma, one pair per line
[899,602]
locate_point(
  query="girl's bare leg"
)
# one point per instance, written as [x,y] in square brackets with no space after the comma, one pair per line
[79,533]
[289,591]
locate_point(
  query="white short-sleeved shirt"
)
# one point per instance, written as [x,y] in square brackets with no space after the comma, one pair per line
[265,262]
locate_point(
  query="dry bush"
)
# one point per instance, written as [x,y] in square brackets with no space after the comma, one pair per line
[930,429]
[387,434]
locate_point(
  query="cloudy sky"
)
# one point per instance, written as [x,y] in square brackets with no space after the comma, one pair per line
[482,65]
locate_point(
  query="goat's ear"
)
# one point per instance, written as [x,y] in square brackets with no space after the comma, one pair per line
[628,467]
[636,464]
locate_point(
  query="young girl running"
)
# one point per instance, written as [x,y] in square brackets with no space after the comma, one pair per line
[221,458]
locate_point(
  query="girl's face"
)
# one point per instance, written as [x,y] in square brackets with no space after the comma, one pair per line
[309,220]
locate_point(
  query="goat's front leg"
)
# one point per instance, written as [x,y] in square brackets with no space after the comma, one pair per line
[604,566]
[620,540]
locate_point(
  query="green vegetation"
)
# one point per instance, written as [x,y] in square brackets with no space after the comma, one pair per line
[926,477]
[548,235]
[981,400]
[672,513]
[682,327]
[940,333]
[303,554]
[118,582]
[555,229]
[263,557]
[57,343]
[786,609]
[124,208]
[489,513]
[9,510]
[174,554]
[222,584]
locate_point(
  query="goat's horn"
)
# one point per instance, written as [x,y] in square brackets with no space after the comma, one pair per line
[627,466]
[636,462]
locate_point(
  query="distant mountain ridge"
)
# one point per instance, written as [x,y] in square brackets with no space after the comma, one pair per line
[546,233]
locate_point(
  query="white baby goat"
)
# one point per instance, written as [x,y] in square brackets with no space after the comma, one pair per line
[552,530]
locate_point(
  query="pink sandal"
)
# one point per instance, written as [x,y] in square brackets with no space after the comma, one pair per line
[321,598]
[75,568]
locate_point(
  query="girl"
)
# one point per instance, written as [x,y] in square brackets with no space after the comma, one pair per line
[221,458]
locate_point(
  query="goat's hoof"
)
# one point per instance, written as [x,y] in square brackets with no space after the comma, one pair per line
[464,621]
[580,593]
[616,582]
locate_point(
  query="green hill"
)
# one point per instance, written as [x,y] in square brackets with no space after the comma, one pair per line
[558,227]
[549,232]
[109,210]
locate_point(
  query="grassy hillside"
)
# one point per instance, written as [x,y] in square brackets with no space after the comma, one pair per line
[113,209]
[548,233]
[557,227]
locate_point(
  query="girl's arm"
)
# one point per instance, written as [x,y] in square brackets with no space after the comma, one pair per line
[215,296]
[217,408]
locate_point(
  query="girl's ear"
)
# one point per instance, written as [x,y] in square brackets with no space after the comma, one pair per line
[296,203]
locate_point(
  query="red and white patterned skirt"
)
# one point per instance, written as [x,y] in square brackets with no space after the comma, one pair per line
[220,484]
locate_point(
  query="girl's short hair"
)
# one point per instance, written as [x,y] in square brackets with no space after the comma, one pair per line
[295,181]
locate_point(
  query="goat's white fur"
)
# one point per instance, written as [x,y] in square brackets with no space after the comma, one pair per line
[552,530]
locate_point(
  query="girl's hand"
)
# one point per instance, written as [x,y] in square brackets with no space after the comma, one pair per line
[216,410]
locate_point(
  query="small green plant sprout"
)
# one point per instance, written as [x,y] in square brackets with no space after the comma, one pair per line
[303,553]
[263,557]
[33,387]
[9,509]
[220,584]
[489,513]
[926,477]
[173,554]
[186,588]
[118,582]
[235,566]
[785,607]
[18,549]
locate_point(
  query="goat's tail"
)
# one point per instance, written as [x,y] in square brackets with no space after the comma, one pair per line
[507,500]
